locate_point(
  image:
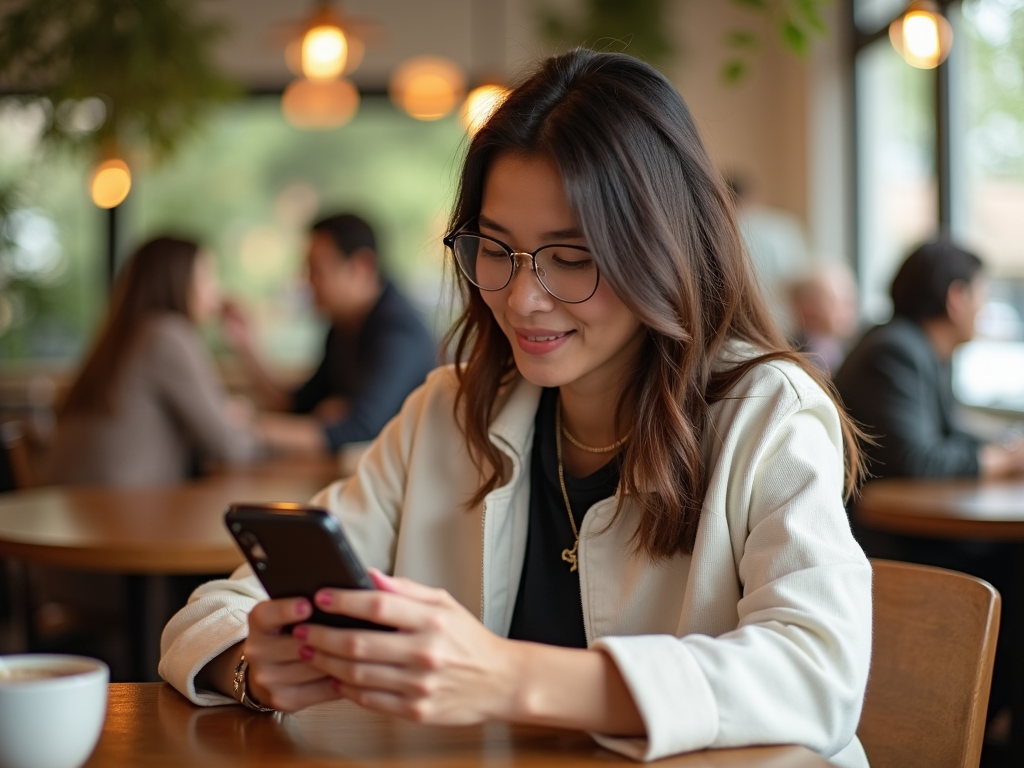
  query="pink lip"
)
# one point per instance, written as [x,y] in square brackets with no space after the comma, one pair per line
[540,347]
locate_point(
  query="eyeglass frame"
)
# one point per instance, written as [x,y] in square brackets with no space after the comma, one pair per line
[449,241]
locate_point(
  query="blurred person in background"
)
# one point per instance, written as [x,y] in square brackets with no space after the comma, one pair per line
[778,249]
[376,352]
[147,407]
[825,314]
[897,383]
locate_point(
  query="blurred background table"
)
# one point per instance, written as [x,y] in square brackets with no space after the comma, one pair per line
[959,509]
[151,723]
[147,533]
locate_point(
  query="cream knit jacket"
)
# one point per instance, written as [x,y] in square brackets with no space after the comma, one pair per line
[761,636]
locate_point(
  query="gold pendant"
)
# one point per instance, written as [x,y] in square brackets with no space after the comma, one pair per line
[569,555]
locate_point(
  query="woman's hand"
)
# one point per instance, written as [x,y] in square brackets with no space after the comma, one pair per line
[442,666]
[278,677]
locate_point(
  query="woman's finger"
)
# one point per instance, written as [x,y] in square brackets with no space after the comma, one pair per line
[379,701]
[389,609]
[292,698]
[271,616]
[365,645]
[378,677]
[402,586]
[271,649]
[277,675]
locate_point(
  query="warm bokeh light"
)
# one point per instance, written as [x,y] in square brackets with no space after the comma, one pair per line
[922,36]
[320,105]
[324,52]
[480,105]
[427,87]
[111,182]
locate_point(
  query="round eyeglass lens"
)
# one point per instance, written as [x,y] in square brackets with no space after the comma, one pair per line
[483,261]
[568,273]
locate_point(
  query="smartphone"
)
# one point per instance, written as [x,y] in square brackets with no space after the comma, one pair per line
[295,550]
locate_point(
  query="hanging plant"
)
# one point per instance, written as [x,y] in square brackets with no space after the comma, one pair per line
[796,22]
[117,72]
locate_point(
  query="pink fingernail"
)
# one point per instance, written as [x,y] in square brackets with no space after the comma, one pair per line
[306,652]
[303,609]
[301,633]
[323,599]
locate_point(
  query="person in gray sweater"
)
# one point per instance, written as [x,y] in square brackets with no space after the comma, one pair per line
[147,407]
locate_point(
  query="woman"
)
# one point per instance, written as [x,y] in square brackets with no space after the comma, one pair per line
[147,404]
[628,463]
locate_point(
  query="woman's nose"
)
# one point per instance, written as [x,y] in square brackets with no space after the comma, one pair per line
[526,293]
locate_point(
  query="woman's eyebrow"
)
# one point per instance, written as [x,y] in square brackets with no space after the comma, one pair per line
[569,233]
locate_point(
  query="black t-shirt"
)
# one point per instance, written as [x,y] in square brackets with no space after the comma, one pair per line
[548,606]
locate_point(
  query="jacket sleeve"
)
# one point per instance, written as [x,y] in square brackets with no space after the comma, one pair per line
[187,383]
[898,397]
[795,667]
[368,504]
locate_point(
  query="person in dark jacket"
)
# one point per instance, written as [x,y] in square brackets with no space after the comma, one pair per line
[897,381]
[376,352]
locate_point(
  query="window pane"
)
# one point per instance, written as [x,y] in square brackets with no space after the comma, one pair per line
[993,161]
[896,168]
[53,252]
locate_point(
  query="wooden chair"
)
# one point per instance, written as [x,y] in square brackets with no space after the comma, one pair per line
[14,443]
[931,667]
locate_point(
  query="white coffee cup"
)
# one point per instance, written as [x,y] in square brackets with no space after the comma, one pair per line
[52,709]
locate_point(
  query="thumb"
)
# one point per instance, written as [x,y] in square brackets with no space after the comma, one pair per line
[407,587]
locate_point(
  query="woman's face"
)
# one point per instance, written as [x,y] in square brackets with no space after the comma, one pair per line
[204,299]
[592,344]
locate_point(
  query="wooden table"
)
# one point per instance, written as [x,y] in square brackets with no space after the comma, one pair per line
[948,509]
[152,724]
[161,530]
[959,509]
[147,533]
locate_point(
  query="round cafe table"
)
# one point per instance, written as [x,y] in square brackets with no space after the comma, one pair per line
[959,509]
[147,533]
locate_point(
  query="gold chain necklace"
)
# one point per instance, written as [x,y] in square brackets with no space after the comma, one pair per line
[569,555]
[590,449]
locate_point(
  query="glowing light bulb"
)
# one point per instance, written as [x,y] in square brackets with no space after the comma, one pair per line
[922,36]
[111,182]
[480,105]
[324,51]
[320,104]
[427,87]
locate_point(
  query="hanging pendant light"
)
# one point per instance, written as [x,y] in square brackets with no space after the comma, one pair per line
[321,98]
[427,87]
[922,35]
[110,183]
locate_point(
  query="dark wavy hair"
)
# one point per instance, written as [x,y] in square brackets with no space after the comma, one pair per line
[660,223]
[157,279]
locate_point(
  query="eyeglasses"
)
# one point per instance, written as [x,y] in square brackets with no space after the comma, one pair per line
[567,272]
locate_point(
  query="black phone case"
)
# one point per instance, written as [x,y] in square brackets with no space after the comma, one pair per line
[296,550]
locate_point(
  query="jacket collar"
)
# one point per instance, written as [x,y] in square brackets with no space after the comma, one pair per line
[513,424]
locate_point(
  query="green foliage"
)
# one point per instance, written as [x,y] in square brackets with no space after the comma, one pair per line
[148,60]
[797,23]
[634,26]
